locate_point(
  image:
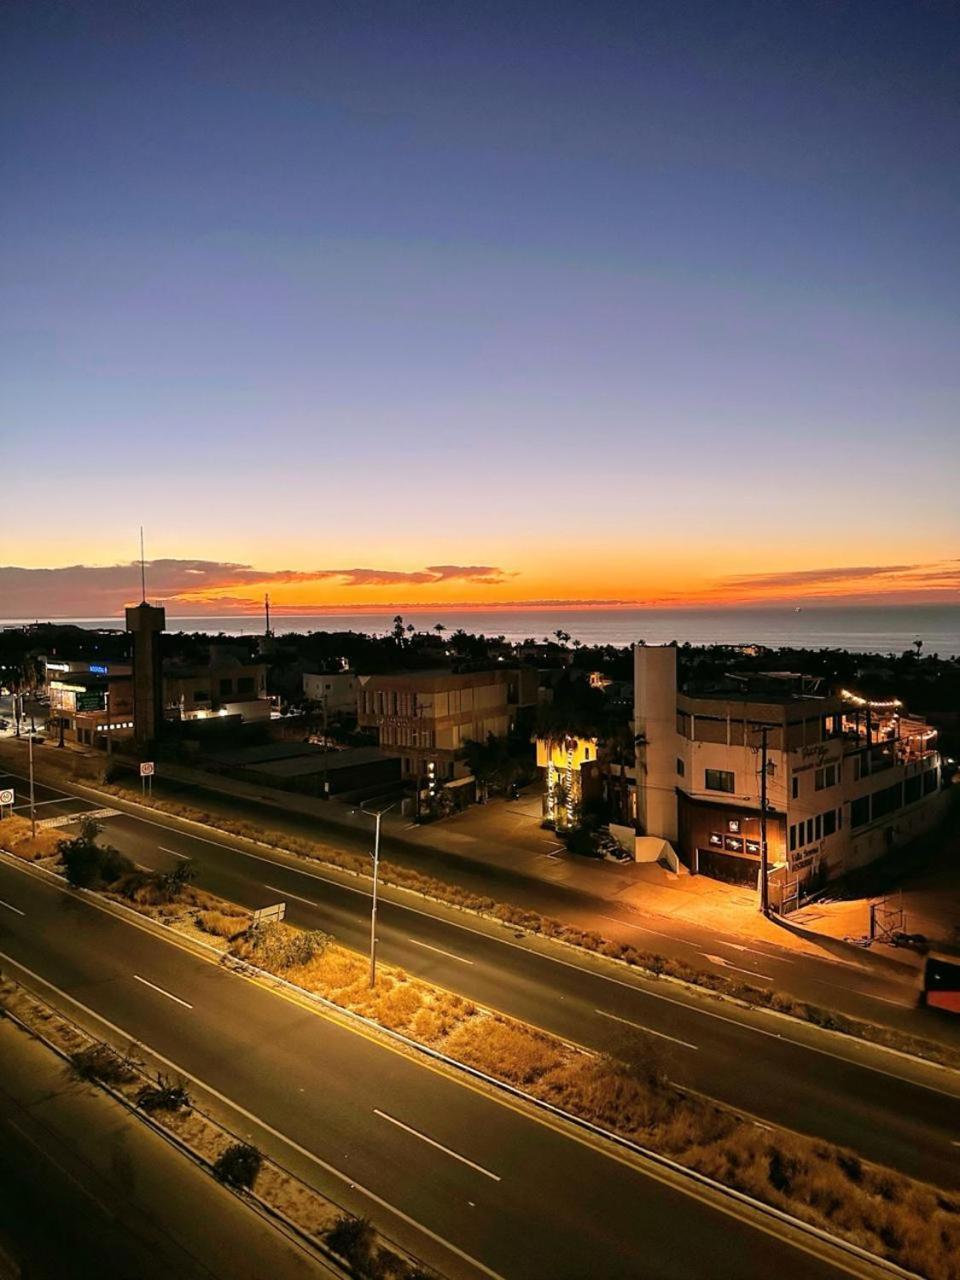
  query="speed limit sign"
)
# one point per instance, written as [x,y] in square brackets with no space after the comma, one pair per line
[147,769]
[6,796]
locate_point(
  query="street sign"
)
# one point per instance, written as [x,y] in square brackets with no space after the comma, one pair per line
[6,796]
[92,700]
[147,768]
[267,914]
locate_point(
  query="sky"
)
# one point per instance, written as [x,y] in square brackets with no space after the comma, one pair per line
[650,302]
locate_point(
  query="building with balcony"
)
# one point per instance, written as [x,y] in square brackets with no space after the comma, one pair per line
[846,778]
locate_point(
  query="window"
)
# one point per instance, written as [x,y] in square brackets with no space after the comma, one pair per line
[226,686]
[719,780]
[245,684]
[680,767]
[818,827]
[911,789]
[860,811]
[829,822]
[887,800]
[826,777]
[201,695]
[793,837]
[794,787]
[929,781]
[809,839]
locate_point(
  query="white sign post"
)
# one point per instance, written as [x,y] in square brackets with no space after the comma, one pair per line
[147,770]
[6,801]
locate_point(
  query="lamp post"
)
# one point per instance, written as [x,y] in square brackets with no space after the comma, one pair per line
[377,814]
[33,807]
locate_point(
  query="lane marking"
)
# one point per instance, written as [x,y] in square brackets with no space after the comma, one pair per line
[11,907]
[168,994]
[276,1133]
[724,963]
[649,1030]
[185,856]
[868,995]
[287,894]
[440,951]
[640,928]
[738,946]
[433,1143]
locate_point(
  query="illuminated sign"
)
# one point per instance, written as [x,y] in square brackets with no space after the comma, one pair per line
[733,826]
[98,669]
[58,666]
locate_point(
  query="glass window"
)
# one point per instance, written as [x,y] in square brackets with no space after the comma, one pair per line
[829,822]
[680,767]
[793,837]
[719,780]
[860,811]
[794,787]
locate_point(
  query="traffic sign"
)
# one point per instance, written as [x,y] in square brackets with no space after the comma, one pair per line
[266,914]
[6,796]
[147,768]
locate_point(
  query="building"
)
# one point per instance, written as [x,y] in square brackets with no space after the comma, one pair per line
[225,685]
[846,778]
[425,717]
[335,691]
[571,774]
[146,623]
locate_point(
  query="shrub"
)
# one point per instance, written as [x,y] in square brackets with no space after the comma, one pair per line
[163,1096]
[221,924]
[238,1166]
[277,946]
[89,866]
[354,1240]
[100,1063]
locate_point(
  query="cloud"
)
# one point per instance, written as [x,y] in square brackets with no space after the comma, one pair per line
[201,586]
[891,581]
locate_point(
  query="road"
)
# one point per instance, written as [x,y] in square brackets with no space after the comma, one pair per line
[892,1111]
[125,1204]
[483,1188]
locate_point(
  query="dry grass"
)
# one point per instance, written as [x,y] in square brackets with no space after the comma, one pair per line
[222,924]
[15,837]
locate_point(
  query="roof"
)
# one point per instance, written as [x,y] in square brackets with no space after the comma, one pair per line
[434,681]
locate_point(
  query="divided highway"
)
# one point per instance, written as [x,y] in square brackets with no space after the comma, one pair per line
[475,1184]
[892,1111]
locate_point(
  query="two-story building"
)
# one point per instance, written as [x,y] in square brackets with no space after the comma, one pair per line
[846,778]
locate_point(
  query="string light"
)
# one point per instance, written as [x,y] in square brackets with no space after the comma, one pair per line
[874,704]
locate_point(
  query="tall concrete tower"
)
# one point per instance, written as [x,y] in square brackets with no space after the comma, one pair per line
[655,724]
[145,622]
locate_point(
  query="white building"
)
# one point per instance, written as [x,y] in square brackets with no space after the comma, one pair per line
[335,691]
[847,779]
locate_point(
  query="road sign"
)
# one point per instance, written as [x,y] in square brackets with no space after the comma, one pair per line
[92,700]
[6,796]
[265,915]
[147,768]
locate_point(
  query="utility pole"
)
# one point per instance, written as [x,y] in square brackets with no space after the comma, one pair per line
[764,881]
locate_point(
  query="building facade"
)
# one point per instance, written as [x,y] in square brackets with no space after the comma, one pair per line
[425,717]
[846,779]
[335,691]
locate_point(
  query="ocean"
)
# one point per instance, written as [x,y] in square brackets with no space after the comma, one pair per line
[860,628]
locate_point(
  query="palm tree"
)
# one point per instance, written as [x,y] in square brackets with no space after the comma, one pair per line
[439,628]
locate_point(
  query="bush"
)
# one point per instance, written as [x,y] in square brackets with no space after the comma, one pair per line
[353,1239]
[277,946]
[89,866]
[222,925]
[163,1096]
[238,1166]
[103,1065]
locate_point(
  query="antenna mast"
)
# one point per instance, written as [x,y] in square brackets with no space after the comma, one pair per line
[266,606]
[143,572]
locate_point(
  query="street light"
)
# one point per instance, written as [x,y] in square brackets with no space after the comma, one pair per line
[33,807]
[378,814]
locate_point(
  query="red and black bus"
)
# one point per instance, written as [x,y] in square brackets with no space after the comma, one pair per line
[941,982]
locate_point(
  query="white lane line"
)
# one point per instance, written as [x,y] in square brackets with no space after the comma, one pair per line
[287,894]
[898,1004]
[671,937]
[262,1124]
[724,963]
[11,907]
[153,986]
[649,1030]
[439,1145]
[185,856]
[738,946]
[440,951]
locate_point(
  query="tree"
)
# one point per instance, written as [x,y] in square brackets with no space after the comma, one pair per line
[439,628]
[398,632]
[88,865]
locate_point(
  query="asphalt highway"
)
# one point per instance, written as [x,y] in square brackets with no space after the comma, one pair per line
[891,1111]
[479,1186]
